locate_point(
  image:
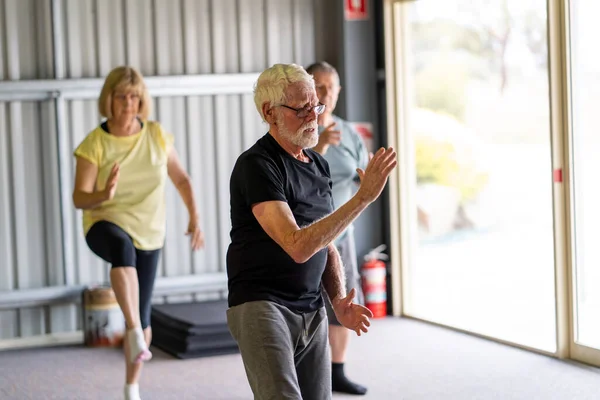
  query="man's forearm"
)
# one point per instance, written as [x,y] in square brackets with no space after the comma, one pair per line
[334,280]
[309,240]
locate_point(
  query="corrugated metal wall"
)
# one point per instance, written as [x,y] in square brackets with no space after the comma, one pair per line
[39,247]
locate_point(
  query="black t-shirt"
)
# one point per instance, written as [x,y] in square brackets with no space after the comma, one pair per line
[257,267]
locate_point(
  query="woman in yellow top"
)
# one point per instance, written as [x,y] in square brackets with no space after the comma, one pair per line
[122,169]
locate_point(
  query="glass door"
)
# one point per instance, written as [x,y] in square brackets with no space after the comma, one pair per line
[479,124]
[585,179]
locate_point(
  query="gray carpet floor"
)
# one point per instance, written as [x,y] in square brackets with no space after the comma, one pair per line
[398,359]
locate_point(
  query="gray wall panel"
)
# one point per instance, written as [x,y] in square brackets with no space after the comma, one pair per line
[252,36]
[228,148]
[7,272]
[8,324]
[28,203]
[177,253]
[279,32]
[60,318]
[16,147]
[3,34]
[28,26]
[32,251]
[12,56]
[225,37]
[252,125]
[80,39]
[110,34]
[203,172]
[304,32]
[197,36]
[8,319]
[227,114]
[168,40]
[43,50]
[49,187]
[139,35]
[253,57]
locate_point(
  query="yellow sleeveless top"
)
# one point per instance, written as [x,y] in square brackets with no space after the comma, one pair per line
[139,204]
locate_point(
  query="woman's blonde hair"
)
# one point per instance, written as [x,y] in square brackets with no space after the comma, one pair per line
[126,79]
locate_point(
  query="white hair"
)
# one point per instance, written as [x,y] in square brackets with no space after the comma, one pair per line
[272,84]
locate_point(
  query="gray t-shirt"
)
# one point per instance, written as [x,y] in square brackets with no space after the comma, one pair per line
[343,160]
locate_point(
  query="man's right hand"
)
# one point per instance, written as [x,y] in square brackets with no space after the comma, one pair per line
[328,137]
[375,176]
[111,183]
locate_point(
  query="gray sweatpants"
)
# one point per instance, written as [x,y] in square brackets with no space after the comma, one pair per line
[286,355]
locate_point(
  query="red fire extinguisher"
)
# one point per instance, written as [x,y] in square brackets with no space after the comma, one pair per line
[374,282]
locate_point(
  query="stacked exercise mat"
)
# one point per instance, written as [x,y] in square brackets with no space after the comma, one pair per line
[190,330]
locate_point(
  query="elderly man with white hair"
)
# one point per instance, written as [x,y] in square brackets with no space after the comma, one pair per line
[282,250]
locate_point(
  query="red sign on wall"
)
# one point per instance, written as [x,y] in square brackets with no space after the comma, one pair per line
[356,10]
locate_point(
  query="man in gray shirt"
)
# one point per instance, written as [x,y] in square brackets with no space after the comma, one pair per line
[344,151]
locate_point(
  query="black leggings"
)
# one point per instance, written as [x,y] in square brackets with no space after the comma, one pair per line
[115,246]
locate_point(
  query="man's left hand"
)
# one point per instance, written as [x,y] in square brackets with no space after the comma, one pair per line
[351,315]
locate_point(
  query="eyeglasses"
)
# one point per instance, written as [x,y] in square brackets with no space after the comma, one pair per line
[124,96]
[304,112]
